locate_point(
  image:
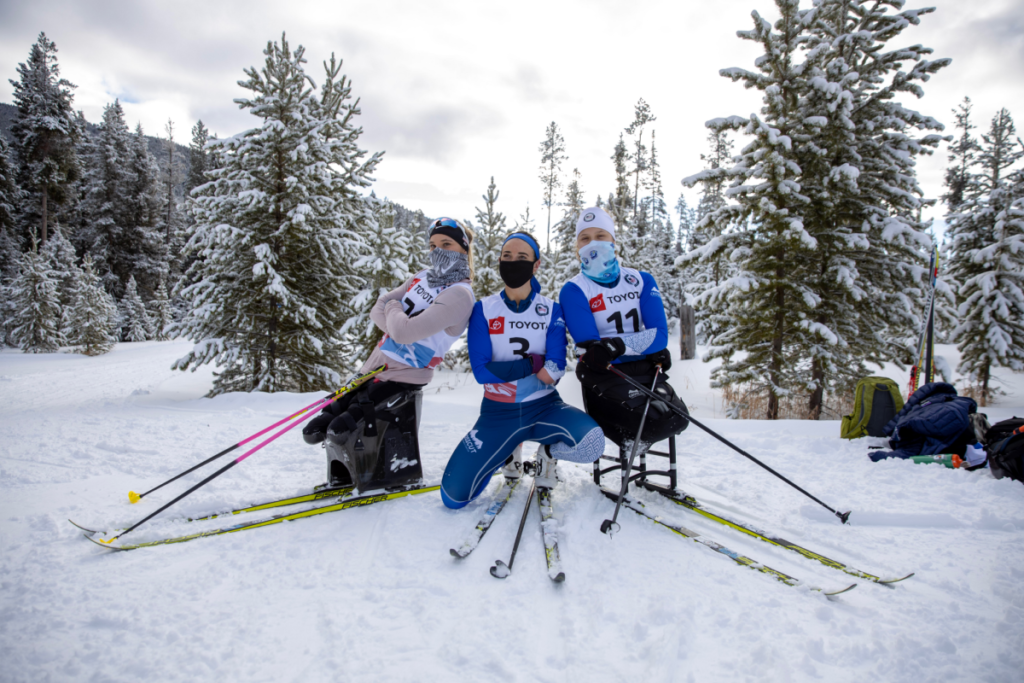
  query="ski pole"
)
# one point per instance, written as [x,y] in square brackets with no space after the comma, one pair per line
[843,516]
[136,497]
[500,570]
[610,526]
[216,474]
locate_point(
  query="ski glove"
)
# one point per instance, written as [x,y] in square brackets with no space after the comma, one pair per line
[537,362]
[600,353]
[662,358]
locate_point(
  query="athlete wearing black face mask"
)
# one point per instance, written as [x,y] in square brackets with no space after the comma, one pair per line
[515,274]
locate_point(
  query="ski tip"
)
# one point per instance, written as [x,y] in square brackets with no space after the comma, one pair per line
[888,583]
[500,570]
[559,577]
[76,524]
[134,497]
[456,554]
[832,594]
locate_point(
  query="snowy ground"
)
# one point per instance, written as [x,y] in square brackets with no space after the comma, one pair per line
[372,593]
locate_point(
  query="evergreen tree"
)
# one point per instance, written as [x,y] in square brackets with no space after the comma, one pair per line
[962,155]
[198,162]
[552,154]
[45,132]
[173,219]
[122,207]
[825,233]
[987,258]
[275,283]
[641,117]
[10,194]
[160,312]
[60,256]
[135,325]
[10,266]
[384,267]
[93,317]
[565,263]
[36,302]
[857,159]
[490,232]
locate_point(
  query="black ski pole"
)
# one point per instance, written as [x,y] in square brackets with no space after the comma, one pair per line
[136,497]
[843,516]
[500,570]
[216,474]
[610,526]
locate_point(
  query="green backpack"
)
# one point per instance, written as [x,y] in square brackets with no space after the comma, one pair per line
[875,402]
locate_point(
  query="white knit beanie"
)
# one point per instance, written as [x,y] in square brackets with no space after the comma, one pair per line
[595,217]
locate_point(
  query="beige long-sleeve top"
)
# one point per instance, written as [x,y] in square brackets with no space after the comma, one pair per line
[449,312]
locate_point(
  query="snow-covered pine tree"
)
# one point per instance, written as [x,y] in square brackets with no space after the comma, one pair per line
[384,266]
[173,219]
[197,157]
[46,133]
[490,231]
[277,229]
[641,117]
[93,317]
[552,154]
[766,298]
[962,154]
[63,262]
[160,312]
[35,321]
[135,324]
[10,193]
[10,265]
[121,207]
[987,232]
[857,154]
[565,263]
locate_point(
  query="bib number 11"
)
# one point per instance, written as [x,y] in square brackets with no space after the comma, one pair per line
[616,318]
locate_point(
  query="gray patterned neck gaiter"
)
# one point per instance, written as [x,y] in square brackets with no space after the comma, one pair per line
[448,267]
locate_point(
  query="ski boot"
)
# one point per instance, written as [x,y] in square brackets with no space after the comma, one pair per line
[513,467]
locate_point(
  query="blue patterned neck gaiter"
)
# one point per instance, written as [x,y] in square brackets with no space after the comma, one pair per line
[599,263]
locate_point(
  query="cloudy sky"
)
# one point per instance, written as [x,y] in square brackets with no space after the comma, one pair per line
[455,92]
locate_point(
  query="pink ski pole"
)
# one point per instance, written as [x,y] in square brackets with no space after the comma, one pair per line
[136,497]
[219,472]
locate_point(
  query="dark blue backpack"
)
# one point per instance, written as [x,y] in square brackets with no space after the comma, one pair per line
[1006,451]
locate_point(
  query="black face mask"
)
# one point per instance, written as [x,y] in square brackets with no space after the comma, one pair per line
[515,274]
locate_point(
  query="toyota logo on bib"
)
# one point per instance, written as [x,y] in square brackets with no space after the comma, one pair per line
[597,303]
[496,326]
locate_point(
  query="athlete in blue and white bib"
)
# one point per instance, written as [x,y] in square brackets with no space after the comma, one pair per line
[517,350]
[616,314]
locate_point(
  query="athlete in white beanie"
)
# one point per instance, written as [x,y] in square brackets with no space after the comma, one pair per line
[616,315]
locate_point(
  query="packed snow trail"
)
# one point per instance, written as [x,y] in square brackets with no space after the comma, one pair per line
[372,593]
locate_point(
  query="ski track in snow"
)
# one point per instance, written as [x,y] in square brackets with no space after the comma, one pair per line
[373,594]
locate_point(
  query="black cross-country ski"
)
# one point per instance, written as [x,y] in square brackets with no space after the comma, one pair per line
[321,492]
[549,530]
[691,504]
[359,501]
[487,519]
[638,508]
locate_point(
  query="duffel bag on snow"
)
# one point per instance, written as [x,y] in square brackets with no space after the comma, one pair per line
[1001,430]
[876,401]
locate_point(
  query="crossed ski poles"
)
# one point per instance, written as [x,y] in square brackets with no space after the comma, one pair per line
[308,410]
[843,516]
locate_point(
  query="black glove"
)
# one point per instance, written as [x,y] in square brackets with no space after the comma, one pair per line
[600,353]
[662,358]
